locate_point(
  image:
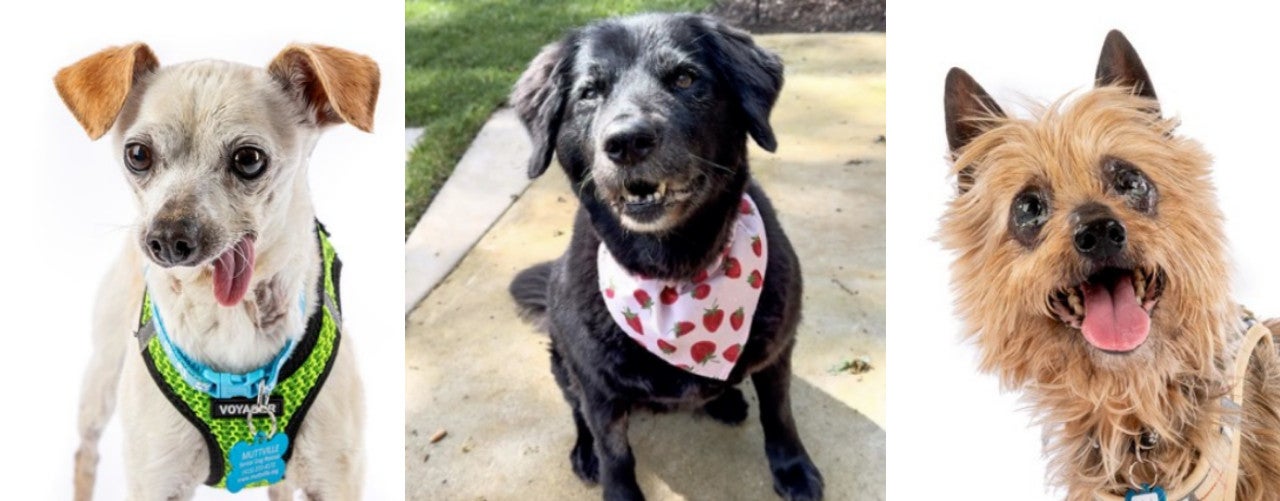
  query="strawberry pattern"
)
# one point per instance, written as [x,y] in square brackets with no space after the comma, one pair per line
[699,325]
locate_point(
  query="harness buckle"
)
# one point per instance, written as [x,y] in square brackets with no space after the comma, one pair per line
[263,406]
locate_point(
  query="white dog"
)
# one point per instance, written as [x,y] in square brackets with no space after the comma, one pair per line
[239,336]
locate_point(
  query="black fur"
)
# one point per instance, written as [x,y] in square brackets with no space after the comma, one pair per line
[604,374]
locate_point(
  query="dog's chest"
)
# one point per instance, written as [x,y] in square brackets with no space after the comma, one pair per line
[239,338]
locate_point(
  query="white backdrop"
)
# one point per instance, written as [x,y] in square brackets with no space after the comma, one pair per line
[954,433]
[64,205]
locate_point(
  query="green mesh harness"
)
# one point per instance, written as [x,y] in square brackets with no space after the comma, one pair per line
[301,377]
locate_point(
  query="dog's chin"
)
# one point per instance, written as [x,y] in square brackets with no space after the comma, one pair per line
[1123,362]
[179,272]
[1111,309]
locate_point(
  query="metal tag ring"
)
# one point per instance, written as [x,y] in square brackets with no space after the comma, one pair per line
[248,417]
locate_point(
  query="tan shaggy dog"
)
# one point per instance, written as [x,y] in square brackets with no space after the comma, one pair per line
[1091,270]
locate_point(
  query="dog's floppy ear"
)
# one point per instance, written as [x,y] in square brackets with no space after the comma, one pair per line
[95,88]
[539,99]
[1119,65]
[336,85]
[968,110]
[752,72]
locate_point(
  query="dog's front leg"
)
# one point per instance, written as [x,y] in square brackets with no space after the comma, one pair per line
[150,478]
[114,316]
[608,421]
[794,475]
[164,456]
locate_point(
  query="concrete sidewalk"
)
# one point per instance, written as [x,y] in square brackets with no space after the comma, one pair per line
[478,372]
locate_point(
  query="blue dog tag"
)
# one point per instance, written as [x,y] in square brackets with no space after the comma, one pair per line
[257,461]
[1147,493]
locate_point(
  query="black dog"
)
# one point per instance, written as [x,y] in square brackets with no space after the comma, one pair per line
[649,116]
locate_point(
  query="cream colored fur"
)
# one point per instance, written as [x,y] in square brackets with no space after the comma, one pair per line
[194,109]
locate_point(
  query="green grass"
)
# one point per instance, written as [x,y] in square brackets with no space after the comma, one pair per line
[461,58]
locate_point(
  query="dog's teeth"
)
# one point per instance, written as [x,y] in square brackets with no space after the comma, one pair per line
[1139,287]
[662,188]
[1073,298]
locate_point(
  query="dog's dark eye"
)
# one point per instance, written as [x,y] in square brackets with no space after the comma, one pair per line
[137,157]
[590,91]
[249,162]
[1028,214]
[1129,182]
[683,80]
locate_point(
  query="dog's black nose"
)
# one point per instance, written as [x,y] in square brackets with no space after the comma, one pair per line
[174,243]
[1100,238]
[629,142]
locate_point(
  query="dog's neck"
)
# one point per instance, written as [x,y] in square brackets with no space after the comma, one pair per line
[1095,420]
[246,336]
[678,253]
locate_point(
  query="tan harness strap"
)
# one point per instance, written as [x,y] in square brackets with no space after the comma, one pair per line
[1257,333]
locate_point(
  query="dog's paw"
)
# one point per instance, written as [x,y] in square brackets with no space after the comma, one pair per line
[798,480]
[728,408]
[585,463]
[623,492]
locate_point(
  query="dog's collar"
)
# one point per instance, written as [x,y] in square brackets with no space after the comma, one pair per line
[1213,479]
[216,383]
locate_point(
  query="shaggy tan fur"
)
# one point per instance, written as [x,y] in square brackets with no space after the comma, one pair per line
[1095,406]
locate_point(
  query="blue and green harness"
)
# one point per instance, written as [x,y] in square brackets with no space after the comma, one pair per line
[238,415]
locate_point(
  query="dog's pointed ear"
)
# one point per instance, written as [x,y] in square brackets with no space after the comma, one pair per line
[751,72]
[1119,65]
[539,99]
[966,103]
[335,85]
[95,88]
[968,108]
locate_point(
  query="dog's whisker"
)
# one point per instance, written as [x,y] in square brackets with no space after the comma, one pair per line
[582,186]
[112,229]
[704,161]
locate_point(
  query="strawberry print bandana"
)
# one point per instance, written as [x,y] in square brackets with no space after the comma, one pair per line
[698,325]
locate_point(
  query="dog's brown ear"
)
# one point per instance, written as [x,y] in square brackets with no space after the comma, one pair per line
[1119,65]
[539,100]
[968,110]
[336,85]
[95,88]
[967,106]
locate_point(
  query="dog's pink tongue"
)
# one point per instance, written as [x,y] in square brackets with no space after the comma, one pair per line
[1113,319]
[232,271]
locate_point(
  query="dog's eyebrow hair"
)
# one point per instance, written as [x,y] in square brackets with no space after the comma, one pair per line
[670,58]
[247,138]
[140,137]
